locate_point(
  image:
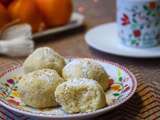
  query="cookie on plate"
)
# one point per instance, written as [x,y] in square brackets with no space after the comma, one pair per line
[80,95]
[37,88]
[44,58]
[86,68]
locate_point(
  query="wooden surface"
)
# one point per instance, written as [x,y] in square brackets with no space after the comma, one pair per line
[72,43]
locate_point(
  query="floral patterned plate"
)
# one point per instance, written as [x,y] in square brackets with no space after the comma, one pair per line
[122,86]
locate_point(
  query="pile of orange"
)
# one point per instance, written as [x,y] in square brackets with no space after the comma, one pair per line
[4,16]
[40,14]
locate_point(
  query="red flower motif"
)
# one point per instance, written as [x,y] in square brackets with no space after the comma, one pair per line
[13,102]
[10,81]
[125,20]
[152,5]
[137,33]
[111,82]
[2,94]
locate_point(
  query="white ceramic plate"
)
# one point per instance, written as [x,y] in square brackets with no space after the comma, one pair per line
[77,20]
[105,38]
[122,86]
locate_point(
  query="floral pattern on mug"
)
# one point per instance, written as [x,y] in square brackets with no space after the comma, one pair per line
[125,20]
[139,22]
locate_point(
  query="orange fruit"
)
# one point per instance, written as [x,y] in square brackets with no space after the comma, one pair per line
[55,12]
[4,16]
[27,12]
[6,2]
[14,9]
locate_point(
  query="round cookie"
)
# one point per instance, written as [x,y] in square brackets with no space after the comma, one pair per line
[44,58]
[86,68]
[80,95]
[37,88]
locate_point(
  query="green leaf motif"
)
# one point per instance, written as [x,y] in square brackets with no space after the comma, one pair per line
[116,94]
[145,7]
[153,14]
[120,78]
[133,42]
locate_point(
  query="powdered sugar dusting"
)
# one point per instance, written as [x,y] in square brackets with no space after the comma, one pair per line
[44,75]
[83,64]
[82,81]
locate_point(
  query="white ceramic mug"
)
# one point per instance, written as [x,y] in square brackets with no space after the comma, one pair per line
[139,22]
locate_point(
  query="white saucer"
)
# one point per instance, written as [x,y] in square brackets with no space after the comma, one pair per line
[105,38]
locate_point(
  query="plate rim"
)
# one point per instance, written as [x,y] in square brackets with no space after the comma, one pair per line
[78,115]
[113,53]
